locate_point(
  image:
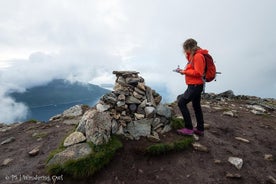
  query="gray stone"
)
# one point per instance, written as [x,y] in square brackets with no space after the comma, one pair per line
[125,73]
[126,118]
[227,94]
[257,108]
[69,113]
[141,86]
[120,103]
[140,91]
[166,129]
[132,100]
[268,157]
[74,152]
[154,137]
[102,107]
[7,161]
[120,130]
[88,115]
[230,113]
[73,111]
[234,176]
[114,126]
[141,107]
[256,112]
[137,95]
[98,128]
[155,123]
[121,80]
[199,147]
[110,98]
[132,107]
[5,128]
[74,138]
[242,139]
[140,128]
[34,152]
[163,110]
[157,99]
[139,116]
[56,117]
[121,97]
[118,87]
[149,96]
[132,81]
[271,179]
[237,162]
[8,140]
[150,112]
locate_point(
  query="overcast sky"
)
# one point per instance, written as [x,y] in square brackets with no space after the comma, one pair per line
[86,40]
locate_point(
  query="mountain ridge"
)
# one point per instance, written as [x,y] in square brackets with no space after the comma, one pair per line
[56,96]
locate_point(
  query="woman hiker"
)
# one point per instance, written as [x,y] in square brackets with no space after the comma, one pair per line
[193,72]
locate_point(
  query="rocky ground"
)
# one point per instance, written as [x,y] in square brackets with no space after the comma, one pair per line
[236,127]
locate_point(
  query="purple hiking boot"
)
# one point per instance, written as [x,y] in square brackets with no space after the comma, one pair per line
[185,131]
[198,132]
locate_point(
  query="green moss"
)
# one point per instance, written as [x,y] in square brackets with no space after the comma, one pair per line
[31,121]
[87,166]
[158,149]
[183,144]
[54,152]
[163,148]
[177,123]
[85,107]
[39,135]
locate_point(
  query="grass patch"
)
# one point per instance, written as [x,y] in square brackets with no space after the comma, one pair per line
[54,152]
[31,121]
[60,147]
[177,123]
[39,135]
[87,166]
[164,148]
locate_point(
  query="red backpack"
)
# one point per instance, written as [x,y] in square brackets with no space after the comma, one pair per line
[210,68]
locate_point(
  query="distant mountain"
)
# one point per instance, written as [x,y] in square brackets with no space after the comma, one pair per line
[55,97]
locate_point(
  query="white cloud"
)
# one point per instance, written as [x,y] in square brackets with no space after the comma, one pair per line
[11,111]
[86,40]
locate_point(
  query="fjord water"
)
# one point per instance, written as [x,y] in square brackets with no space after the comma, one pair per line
[44,113]
[48,100]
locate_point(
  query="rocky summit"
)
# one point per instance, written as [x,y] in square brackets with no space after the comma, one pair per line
[132,109]
[238,141]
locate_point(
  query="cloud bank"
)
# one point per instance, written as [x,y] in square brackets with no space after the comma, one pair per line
[86,40]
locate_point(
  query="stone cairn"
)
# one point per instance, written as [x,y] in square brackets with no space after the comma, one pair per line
[132,109]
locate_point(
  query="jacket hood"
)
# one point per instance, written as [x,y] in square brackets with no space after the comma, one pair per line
[202,51]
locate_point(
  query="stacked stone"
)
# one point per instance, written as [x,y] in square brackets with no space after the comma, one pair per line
[132,110]
[135,108]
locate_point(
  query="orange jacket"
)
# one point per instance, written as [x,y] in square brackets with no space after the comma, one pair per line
[195,67]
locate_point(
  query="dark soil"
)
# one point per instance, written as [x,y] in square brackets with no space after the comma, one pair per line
[130,165]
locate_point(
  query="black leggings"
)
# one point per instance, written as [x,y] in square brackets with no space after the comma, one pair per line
[193,93]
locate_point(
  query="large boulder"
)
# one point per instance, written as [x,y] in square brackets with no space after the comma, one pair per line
[74,152]
[98,128]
